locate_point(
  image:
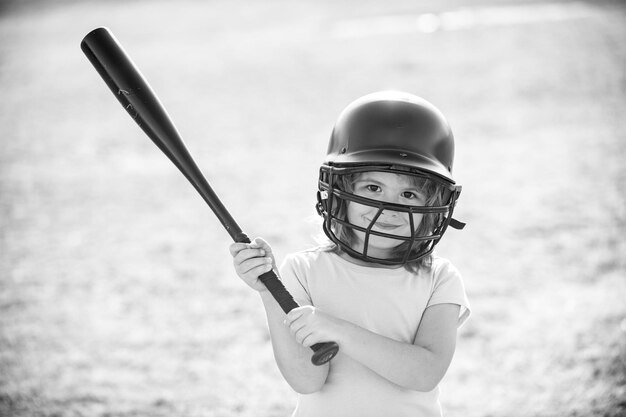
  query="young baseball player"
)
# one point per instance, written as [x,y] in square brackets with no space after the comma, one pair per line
[386,195]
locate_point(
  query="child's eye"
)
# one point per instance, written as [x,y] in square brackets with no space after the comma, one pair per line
[373,188]
[412,195]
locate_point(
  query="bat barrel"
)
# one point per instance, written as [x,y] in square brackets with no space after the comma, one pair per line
[130,88]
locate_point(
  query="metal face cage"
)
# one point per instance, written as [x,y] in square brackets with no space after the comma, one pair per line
[332,206]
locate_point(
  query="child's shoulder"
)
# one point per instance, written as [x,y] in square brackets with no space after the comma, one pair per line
[442,267]
[439,262]
[310,254]
[306,258]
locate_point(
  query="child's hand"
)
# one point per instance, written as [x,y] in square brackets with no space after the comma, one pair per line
[310,325]
[251,260]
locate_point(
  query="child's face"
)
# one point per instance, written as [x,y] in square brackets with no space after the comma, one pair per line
[391,188]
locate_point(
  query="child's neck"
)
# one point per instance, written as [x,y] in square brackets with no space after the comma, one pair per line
[361,262]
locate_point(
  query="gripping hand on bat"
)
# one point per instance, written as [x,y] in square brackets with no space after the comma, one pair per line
[293,333]
[252,260]
[307,324]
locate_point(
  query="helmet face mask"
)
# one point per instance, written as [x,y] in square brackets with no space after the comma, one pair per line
[393,133]
[426,223]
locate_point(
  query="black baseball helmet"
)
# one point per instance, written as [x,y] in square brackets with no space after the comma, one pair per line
[397,132]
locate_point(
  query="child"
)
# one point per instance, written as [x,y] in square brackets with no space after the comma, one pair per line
[386,194]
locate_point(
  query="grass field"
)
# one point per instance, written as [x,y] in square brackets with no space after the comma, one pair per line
[117,296]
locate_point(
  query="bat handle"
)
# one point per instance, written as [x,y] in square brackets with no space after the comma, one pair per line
[323,352]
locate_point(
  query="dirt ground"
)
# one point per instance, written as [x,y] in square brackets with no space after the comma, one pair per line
[117,296]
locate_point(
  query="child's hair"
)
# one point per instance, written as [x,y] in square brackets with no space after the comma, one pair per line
[430,222]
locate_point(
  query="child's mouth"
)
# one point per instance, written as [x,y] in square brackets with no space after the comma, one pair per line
[383,225]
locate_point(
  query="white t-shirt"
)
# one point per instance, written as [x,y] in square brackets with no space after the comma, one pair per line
[386,301]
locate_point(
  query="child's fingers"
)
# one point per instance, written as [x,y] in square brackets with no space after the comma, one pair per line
[301,332]
[294,325]
[248,253]
[293,315]
[297,323]
[251,260]
[299,312]
[302,336]
[235,248]
[262,244]
[251,264]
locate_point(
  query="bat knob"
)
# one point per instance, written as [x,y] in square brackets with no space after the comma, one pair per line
[324,352]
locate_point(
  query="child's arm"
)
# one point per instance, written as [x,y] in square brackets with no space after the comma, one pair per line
[419,366]
[293,359]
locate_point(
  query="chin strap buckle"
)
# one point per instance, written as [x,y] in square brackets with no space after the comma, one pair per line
[322,198]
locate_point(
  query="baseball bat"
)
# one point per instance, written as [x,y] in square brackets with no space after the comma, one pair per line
[135,95]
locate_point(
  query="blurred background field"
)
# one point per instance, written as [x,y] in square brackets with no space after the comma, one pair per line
[117,296]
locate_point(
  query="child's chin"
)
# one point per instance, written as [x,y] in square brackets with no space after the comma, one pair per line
[380,247]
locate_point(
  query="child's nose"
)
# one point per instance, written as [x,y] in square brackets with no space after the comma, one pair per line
[389,213]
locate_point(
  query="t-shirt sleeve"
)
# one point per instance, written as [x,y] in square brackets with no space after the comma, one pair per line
[293,279]
[449,289]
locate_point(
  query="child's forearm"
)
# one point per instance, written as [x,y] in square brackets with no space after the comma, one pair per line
[293,359]
[407,365]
